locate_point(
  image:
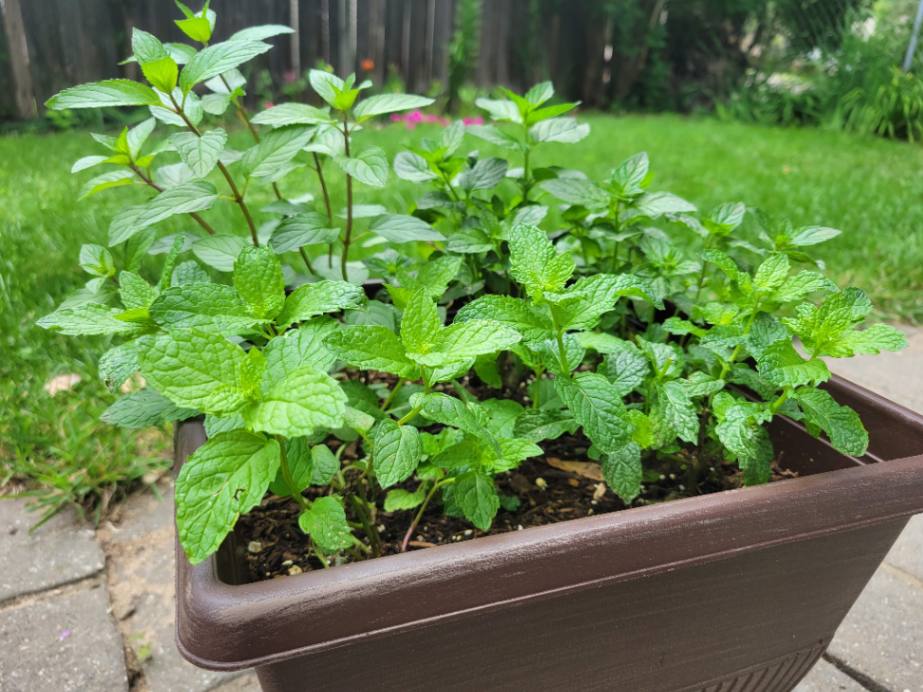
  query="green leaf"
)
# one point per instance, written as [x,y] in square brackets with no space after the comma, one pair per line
[158,66]
[500,109]
[447,410]
[771,274]
[623,472]
[625,366]
[656,204]
[494,135]
[215,59]
[193,196]
[812,235]
[841,424]
[629,176]
[274,150]
[138,135]
[109,92]
[420,323]
[309,465]
[318,298]
[86,162]
[107,181]
[195,369]
[135,292]
[259,281]
[291,114]
[325,522]
[372,347]
[483,175]
[302,347]
[801,285]
[530,321]
[476,496]
[583,303]
[224,478]
[143,409]
[399,499]
[575,190]
[539,93]
[198,28]
[296,403]
[219,251]
[261,32]
[96,260]
[397,451]
[308,228]
[566,130]
[673,408]
[536,425]
[741,433]
[88,319]
[118,364]
[200,153]
[389,103]
[782,365]
[597,406]
[412,167]
[534,262]
[877,338]
[402,228]
[369,166]
[467,340]
[326,85]
[209,306]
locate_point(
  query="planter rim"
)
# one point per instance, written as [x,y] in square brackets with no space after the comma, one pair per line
[216,620]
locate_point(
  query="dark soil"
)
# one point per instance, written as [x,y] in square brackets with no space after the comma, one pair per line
[272,545]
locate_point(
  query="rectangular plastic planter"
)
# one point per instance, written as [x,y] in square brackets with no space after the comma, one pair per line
[739,590]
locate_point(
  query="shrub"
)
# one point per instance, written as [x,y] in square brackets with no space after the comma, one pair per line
[509,306]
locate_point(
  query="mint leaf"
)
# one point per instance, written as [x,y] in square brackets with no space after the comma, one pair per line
[215,59]
[109,92]
[583,303]
[597,406]
[318,298]
[447,410]
[623,472]
[782,365]
[309,465]
[296,403]
[875,339]
[412,167]
[812,235]
[840,423]
[401,228]
[372,347]
[741,433]
[190,197]
[325,522]
[535,263]
[205,306]
[143,409]
[259,281]
[308,228]
[675,411]
[771,274]
[134,291]
[200,153]
[397,451]
[291,114]
[625,366]
[96,260]
[399,499]
[219,251]
[275,150]
[224,478]
[86,320]
[420,323]
[195,369]
[566,130]
[533,323]
[476,496]
[389,103]
[369,166]
[302,347]
[118,364]
[579,191]
[466,340]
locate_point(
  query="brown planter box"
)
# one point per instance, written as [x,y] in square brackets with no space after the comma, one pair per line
[739,590]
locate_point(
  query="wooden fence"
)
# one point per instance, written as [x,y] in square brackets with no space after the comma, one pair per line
[72,41]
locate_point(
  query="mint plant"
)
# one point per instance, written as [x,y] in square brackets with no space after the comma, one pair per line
[511,305]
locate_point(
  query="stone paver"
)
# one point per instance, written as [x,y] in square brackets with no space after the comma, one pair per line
[825,677]
[882,637]
[139,546]
[65,642]
[61,551]
[907,553]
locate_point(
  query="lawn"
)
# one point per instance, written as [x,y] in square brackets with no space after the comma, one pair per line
[869,188]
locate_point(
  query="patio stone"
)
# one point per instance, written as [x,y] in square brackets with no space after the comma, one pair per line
[826,677]
[61,551]
[64,641]
[881,636]
[907,553]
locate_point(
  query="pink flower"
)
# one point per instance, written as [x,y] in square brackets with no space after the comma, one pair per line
[267,104]
[476,120]
[289,76]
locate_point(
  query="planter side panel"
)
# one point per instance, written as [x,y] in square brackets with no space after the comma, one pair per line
[754,621]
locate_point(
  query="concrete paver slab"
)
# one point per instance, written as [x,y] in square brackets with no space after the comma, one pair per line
[61,551]
[64,641]
[907,553]
[825,677]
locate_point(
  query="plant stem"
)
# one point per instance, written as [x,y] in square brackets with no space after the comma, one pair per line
[417,517]
[287,475]
[392,394]
[238,198]
[559,337]
[195,216]
[365,519]
[347,235]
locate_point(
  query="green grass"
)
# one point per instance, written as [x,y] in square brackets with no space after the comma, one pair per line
[868,187]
